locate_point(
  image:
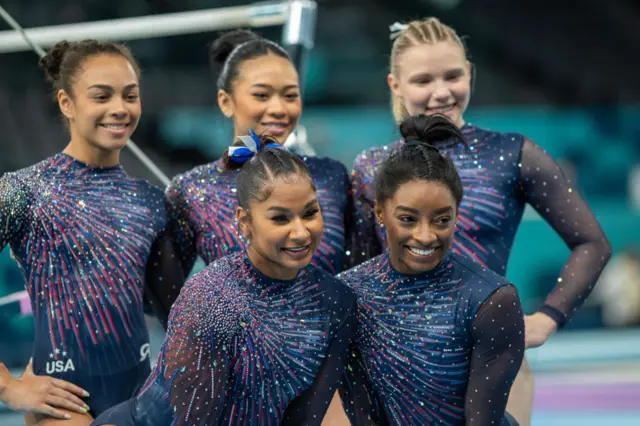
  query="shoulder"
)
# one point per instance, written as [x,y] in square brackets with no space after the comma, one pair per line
[332,283]
[357,276]
[211,298]
[152,197]
[475,134]
[473,269]
[32,173]
[181,183]
[371,157]
[480,282]
[17,186]
[339,298]
[222,272]
[324,163]
[150,190]
[12,186]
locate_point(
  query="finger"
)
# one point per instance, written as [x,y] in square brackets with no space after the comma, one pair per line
[52,412]
[56,401]
[75,403]
[70,387]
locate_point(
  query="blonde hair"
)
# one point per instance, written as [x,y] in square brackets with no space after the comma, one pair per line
[415,33]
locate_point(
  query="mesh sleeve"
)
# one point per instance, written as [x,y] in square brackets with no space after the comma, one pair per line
[361,403]
[310,407]
[496,356]
[362,241]
[164,277]
[557,200]
[180,229]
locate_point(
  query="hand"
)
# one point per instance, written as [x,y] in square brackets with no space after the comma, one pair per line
[537,329]
[40,394]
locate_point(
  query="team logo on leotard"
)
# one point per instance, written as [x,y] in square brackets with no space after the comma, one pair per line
[145,352]
[60,366]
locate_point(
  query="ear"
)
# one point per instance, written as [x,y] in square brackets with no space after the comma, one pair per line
[66,104]
[225,103]
[244,222]
[394,84]
[378,209]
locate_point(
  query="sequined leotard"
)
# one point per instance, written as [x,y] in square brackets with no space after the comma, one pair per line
[428,349]
[83,236]
[245,349]
[500,172]
[205,202]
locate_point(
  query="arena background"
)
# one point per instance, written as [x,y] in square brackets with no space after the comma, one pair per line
[562,72]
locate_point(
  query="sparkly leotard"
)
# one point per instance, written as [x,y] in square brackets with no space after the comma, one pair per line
[83,237]
[442,347]
[245,349]
[500,172]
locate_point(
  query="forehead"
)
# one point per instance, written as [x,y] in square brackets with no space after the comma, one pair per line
[269,69]
[111,70]
[424,196]
[292,193]
[432,58]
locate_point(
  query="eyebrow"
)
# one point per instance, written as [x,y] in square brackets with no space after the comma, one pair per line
[428,74]
[417,212]
[107,87]
[443,210]
[283,210]
[268,86]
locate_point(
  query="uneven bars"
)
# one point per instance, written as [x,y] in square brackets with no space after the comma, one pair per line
[298,36]
[170,24]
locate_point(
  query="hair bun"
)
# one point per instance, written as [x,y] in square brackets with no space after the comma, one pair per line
[52,61]
[429,129]
[221,48]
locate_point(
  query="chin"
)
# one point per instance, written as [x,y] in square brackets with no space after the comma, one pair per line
[113,145]
[420,267]
[296,264]
[300,264]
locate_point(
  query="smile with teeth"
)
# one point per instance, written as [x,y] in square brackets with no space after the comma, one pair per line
[442,109]
[421,252]
[119,126]
[296,249]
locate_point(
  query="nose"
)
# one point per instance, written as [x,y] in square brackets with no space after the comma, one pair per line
[276,107]
[299,231]
[118,108]
[441,91]
[424,234]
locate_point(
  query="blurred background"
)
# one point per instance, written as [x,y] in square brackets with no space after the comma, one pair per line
[562,72]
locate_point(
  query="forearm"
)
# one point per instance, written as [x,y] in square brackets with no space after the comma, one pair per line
[572,288]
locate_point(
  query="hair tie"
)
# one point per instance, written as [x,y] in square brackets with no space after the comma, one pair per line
[252,145]
[396,28]
[416,142]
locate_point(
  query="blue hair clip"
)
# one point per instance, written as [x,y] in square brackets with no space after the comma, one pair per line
[255,138]
[257,141]
[252,144]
